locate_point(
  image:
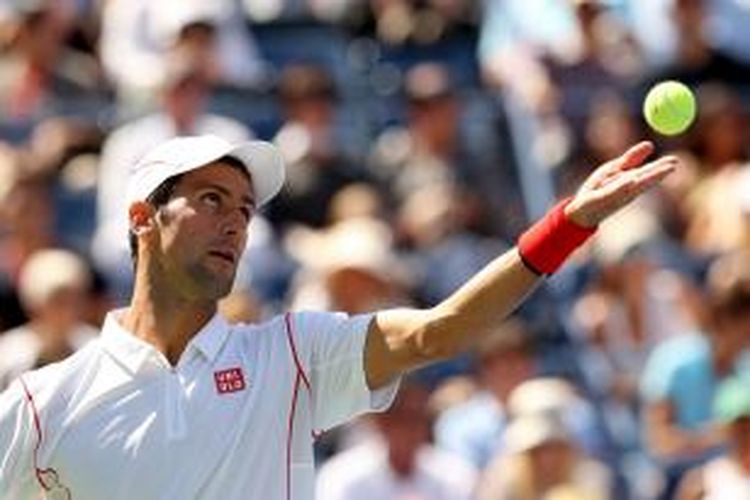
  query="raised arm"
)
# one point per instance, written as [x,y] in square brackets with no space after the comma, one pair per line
[403,339]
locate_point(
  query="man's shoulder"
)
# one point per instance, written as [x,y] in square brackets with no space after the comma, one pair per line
[57,381]
[296,322]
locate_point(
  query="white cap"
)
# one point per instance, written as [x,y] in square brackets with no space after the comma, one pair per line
[183,154]
[48,271]
[743,189]
[531,431]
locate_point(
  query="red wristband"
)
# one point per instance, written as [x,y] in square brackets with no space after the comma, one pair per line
[545,245]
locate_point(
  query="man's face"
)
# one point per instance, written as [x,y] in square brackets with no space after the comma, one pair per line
[203,231]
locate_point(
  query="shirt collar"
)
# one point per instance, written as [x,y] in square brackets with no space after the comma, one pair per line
[134,352]
[210,339]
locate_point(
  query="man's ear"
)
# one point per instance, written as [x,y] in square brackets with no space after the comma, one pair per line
[141,216]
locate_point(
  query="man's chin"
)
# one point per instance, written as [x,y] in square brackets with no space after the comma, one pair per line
[216,286]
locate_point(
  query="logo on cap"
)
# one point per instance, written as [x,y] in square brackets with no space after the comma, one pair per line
[229,380]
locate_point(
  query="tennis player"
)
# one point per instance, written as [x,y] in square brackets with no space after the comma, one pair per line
[172,402]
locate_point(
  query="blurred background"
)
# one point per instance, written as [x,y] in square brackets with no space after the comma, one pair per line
[421,137]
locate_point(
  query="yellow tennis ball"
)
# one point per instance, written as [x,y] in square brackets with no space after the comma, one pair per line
[669,107]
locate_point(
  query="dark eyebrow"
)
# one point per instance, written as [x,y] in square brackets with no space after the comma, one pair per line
[247,199]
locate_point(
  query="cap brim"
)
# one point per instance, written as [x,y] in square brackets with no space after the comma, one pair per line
[265,165]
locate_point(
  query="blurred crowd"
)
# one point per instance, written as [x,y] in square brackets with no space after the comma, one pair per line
[421,137]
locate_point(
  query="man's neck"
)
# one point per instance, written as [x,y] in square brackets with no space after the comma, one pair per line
[166,322]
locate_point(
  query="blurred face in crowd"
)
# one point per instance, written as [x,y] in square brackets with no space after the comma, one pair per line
[198,39]
[720,128]
[435,119]
[184,101]
[357,290]
[503,370]
[405,427]
[739,436]
[41,35]
[732,332]
[64,308]
[202,230]
[314,111]
[27,213]
[610,127]
[688,14]
[551,462]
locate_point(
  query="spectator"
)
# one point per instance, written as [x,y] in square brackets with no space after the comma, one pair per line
[696,60]
[183,98]
[715,217]
[659,25]
[348,267]
[431,149]
[399,462]
[53,286]
[435,222]
[137,36]
[38,73]
[726,476]
[680,379]
[315,147]
[627,309]
[474,429]
[543,462]
[26,212]
[403,22]
[316,11]
[515,35]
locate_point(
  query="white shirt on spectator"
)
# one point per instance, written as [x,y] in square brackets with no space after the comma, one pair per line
[137,33]
[234,419]
[363,473]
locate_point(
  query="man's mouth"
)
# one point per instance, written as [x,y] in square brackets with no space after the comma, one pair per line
[226,255]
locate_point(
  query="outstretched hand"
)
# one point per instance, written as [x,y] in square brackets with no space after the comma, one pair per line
[616,183]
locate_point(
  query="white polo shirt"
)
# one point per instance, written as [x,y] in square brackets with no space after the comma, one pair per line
[235,419]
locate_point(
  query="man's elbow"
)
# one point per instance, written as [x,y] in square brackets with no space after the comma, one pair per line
[440,337]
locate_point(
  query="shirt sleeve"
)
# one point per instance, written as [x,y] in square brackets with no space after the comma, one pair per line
[658,374]
[331,346]
[16,446]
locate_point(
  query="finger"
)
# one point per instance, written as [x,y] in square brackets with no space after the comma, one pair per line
[639,171]
[630,159]
[630,184]
[635,156]
[637,182]
[655,173]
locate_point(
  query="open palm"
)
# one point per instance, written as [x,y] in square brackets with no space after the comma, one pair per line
[616,183]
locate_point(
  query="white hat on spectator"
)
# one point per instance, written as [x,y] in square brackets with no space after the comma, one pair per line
[531,431]
[361,243]
[182,154]
[174,16]
[542,396]
[49,271]
[743,189]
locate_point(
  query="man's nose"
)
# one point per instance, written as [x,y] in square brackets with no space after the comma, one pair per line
[234,222]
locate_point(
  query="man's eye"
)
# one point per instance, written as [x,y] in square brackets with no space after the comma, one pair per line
[211,199]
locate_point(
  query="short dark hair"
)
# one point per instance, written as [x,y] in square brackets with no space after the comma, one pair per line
[734,302]
[164,191]
[728,283]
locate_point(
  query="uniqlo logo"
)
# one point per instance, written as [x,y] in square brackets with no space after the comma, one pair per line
[230,380]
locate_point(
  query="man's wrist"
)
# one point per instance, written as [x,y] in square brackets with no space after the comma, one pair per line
[546,245]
